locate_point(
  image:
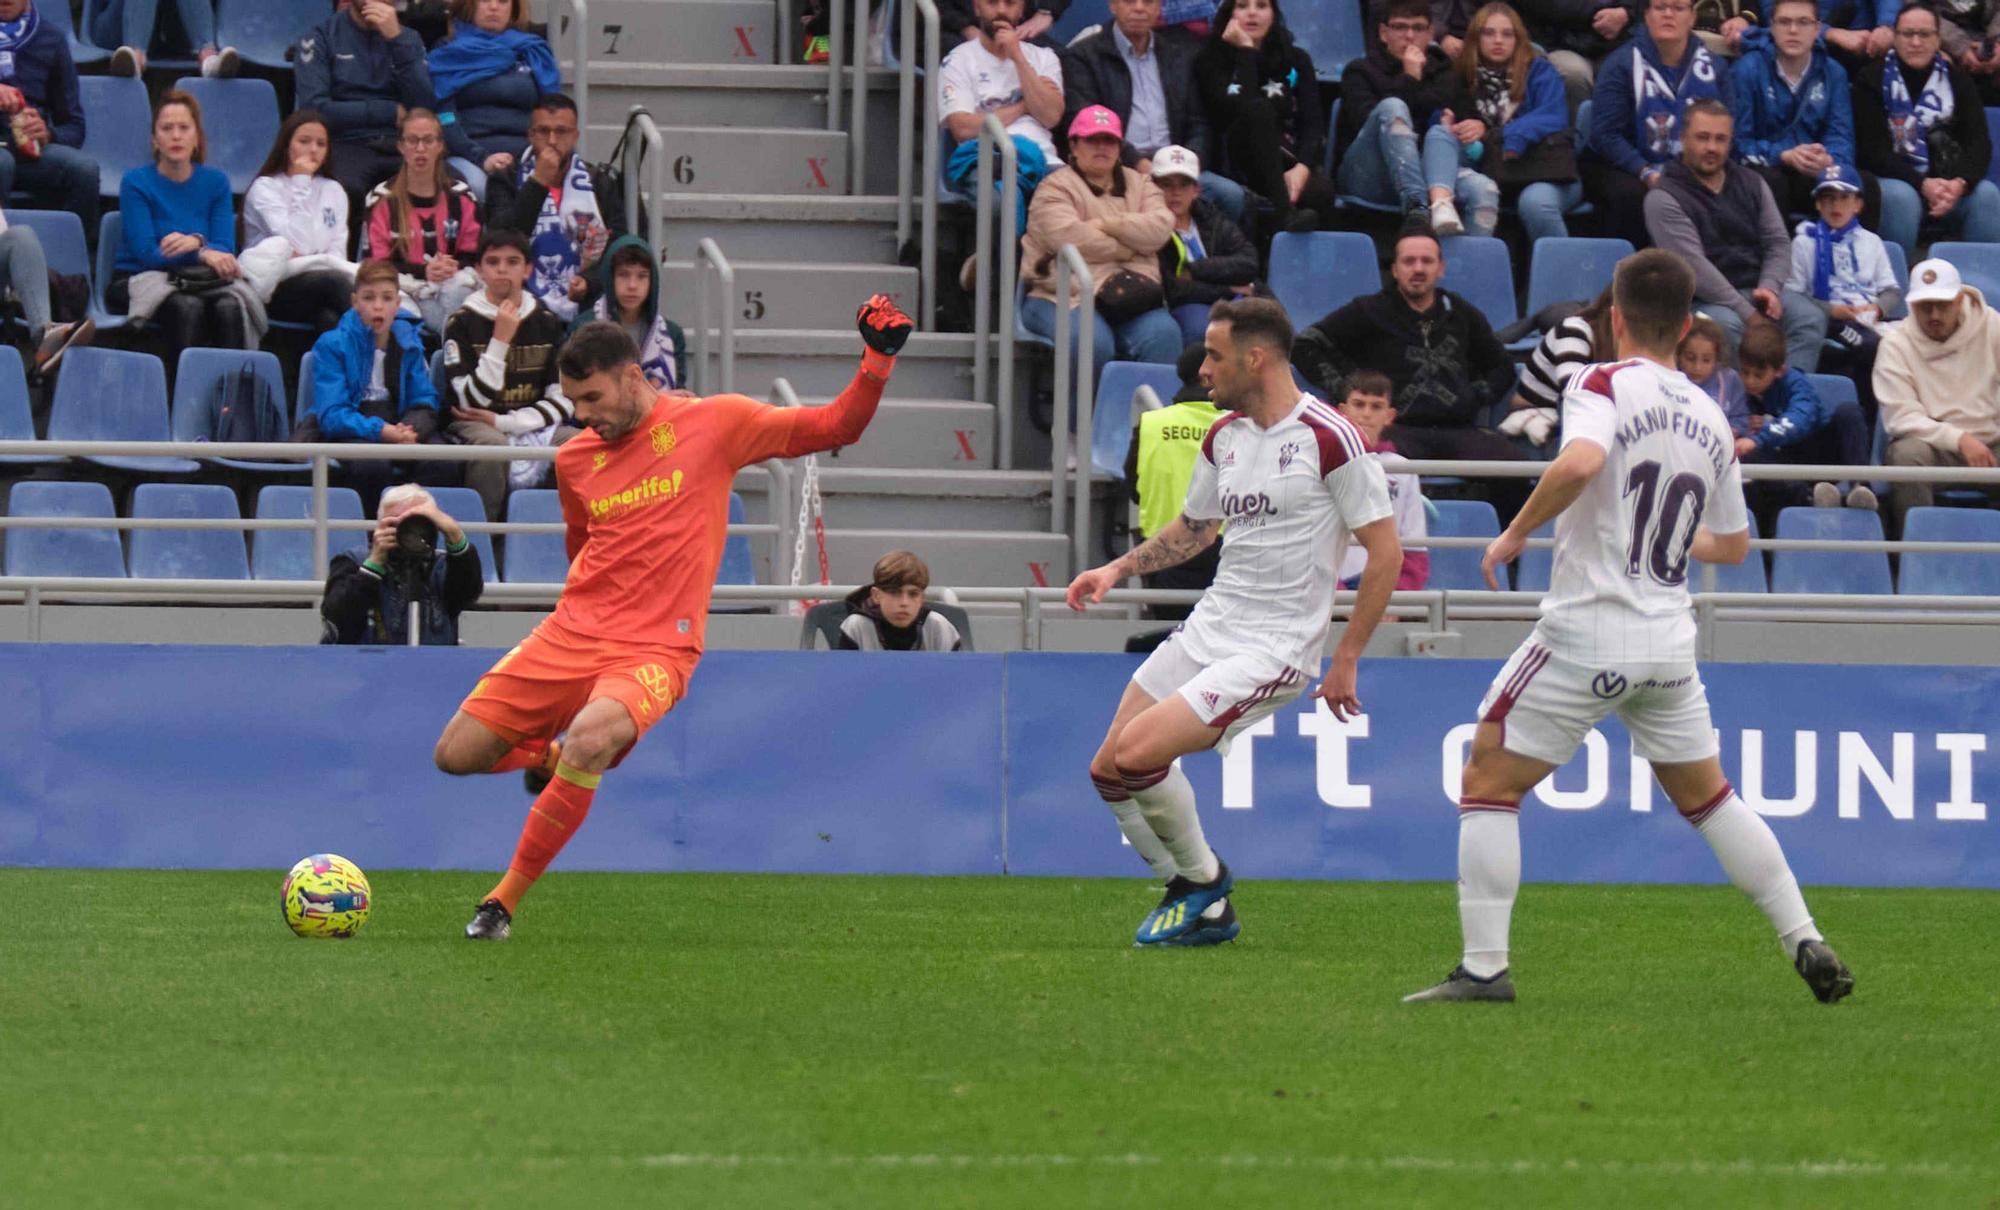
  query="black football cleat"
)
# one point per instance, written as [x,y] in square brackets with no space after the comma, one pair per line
[492,922]
[1462,984]
[1823,971]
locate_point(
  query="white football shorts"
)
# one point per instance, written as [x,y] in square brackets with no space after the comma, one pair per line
[1227,694]
[1545,705]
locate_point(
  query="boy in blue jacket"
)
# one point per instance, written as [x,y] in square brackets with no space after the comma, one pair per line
[372,383]
[1800,428]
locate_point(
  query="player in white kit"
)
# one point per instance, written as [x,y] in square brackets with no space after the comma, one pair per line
[1291,479]
[1647,478]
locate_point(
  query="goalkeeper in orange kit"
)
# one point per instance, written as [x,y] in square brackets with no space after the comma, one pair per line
[645,496]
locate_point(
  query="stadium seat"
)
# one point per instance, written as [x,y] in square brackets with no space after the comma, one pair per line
[1977,264]
[153,62]
[187,554]
[1077,18]
[119,132]
[462,504]
[110,233]
[113,395]
[1992,133]
[195,400]
[1531,570]
[17,418]
[1572,270]
[1331,32]
[61,237]
[822,623]
[1951,574]
[1112,412]
[62,552]
[80,52]
[437,375]
[1833,389]
[303,405]
[1830,571]
[1747,576]
[535,558]
[263,31]
[738,566]
[1478,268]
[1458,567]
[1899,264]
[1318,272]
[239,144]
[286,554]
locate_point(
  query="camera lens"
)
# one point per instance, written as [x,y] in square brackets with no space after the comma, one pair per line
[416,536]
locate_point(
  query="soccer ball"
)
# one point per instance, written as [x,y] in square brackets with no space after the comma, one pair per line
[326,896]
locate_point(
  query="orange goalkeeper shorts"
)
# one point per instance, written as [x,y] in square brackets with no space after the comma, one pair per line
[534,691]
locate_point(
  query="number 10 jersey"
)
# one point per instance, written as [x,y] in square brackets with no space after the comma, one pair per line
[1618,589]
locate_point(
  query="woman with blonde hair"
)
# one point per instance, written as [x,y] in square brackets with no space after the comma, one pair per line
[426,222]
[1526,149]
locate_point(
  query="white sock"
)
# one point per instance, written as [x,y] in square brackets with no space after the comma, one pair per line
[1750,855]
[1167,802]
[1136,829]
[1489,877]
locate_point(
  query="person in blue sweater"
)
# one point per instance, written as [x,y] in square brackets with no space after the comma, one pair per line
[1526,150]
[361,68]
[488,76]
[179,223]
[1800,428]
[1642,90]
[41,118]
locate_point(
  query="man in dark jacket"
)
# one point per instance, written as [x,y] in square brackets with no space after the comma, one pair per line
[1389,101]
[561,204]
[1146,77]
[360,69]
[1207,259]
[41,118]
[1439,352]
[1919,126]
[369,589]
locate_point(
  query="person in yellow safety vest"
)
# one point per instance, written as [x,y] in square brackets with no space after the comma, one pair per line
[1157,469]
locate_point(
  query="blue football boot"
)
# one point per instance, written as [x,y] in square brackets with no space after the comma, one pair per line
[1181,909]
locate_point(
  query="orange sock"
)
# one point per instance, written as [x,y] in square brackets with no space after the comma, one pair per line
[556,815]
[523,756]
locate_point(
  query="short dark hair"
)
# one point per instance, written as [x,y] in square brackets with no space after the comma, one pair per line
[1762,346]
[1367,382]
[1415,230]
[1257,321]
[1653,292]
[1708,107]
[632,254]
[596,347]
[554,102]
[1919,6]
[1777,4]
[504,237]
[1388,10]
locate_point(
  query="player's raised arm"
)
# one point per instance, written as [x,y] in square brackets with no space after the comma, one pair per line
[1182,539]
[768,432]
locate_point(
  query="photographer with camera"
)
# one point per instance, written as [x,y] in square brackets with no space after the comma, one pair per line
[418,565]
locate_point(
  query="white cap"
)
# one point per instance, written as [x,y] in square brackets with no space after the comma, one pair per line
[1175,160]
[1933,281]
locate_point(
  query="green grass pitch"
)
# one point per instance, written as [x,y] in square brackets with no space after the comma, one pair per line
[759,1041]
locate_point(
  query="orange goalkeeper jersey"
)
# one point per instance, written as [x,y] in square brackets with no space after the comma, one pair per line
[647,514]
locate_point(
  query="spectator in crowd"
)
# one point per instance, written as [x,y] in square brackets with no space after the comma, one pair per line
[1844,268]
[1636,111]
[1261,94]
[1704,357]
[1937,379]
[43,108]
[362,69]
[500,366]
[177,28]
[1158,466]
[1146,77]
[1439,352]
[1000,72]
[1800,428]
[1567,345]
[1118,221]
[488,76]
[1919,125]
[1207,258]
[890,614]
[295,229]
[1794,116]
[24,272]
[1721,25]
[1451,23]
[1405,93]
[563,205]
[369,589]
[959,21]
[1578,35]
[1967,38]
[1856,31]
[1720,218]
[177,267]
[371,383]
[426,222]
[1526,149]
[629,296]
[1365,401]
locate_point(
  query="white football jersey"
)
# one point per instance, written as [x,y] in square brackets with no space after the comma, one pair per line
[1618,589]
[1291,494]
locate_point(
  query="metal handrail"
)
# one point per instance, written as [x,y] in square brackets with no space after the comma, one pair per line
[650,151]
[580,74]
[911,139]
[707,255]
[1070,261]
[857,128]
[785,48]
[991,135]
[836,50]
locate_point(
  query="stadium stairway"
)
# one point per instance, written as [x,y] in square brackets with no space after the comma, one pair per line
[751,165]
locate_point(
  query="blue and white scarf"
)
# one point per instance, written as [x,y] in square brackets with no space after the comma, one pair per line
[1657,106]
[1910,124]
[553,244]
[14,35]
[658,355]
[1827,241]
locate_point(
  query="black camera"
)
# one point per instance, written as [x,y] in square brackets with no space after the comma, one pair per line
[416,537]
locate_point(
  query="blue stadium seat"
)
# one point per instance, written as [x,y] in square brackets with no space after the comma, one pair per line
[303,405]
[17,418]
[160,62]
[1993,132]
[195,391]
[61,237]
[112,395]
[1747,576]
[535,558]
[1531,570]
[238,143]
[119,132]
[1899,264]
[1479,268]
[1078,17]
[187,554]
[1459,567]
[1332,32]
[286,554]
[110,233]
[262,31]
[462,504]
[1951,574]
[1572,269]
[62,552]
[1830,571]
[438,382]
[1977,264]
[737,566]
[1833,388]
[1112,414]
[56,13]
[1316,273]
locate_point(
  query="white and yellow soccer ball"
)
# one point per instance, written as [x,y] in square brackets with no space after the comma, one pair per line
[326,896]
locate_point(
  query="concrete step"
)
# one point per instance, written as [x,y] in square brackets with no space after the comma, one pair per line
[798,294]
[922,434]
[783,226]
[735,94]
[1016,560]
[685,31]
[733,160]
[876,498]
[821,362]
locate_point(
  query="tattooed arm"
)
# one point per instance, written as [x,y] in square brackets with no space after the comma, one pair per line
[1183,539]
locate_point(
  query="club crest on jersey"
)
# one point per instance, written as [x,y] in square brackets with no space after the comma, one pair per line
[598,459]
[663,439]
[1286,453]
